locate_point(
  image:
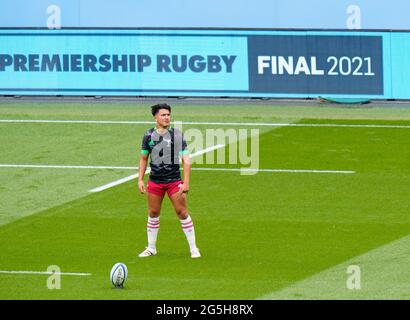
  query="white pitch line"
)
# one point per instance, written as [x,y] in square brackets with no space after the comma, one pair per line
[258,124]
[75,121]
[194,168]
[135,176]
[41,166]
[275,170]
[206,150]
[117,182]
[45,272]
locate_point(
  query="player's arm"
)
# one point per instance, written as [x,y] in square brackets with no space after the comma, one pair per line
[142,168]
[186,162]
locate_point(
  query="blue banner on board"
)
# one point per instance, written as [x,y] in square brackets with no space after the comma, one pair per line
[219,63]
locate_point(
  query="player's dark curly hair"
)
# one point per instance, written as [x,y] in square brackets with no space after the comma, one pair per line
[157,107]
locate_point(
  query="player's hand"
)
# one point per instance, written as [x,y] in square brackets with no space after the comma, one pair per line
[184,188]
[141,187]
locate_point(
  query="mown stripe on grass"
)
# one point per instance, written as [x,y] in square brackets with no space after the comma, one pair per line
[381,273]
[45,273]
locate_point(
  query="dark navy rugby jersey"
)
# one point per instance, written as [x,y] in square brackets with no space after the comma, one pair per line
[164,150]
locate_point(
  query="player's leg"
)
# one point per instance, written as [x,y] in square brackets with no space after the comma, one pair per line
[154,210]
[179,202]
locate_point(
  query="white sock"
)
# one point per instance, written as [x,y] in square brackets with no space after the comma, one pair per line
[152,232]
[188,228]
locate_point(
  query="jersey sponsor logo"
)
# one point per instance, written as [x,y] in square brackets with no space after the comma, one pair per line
[168,141]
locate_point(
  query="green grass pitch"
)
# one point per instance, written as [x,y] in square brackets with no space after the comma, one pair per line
[272,235]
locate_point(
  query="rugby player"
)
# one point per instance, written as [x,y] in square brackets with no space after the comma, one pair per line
[165,145]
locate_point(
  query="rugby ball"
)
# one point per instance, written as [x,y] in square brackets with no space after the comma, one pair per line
[118,274]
